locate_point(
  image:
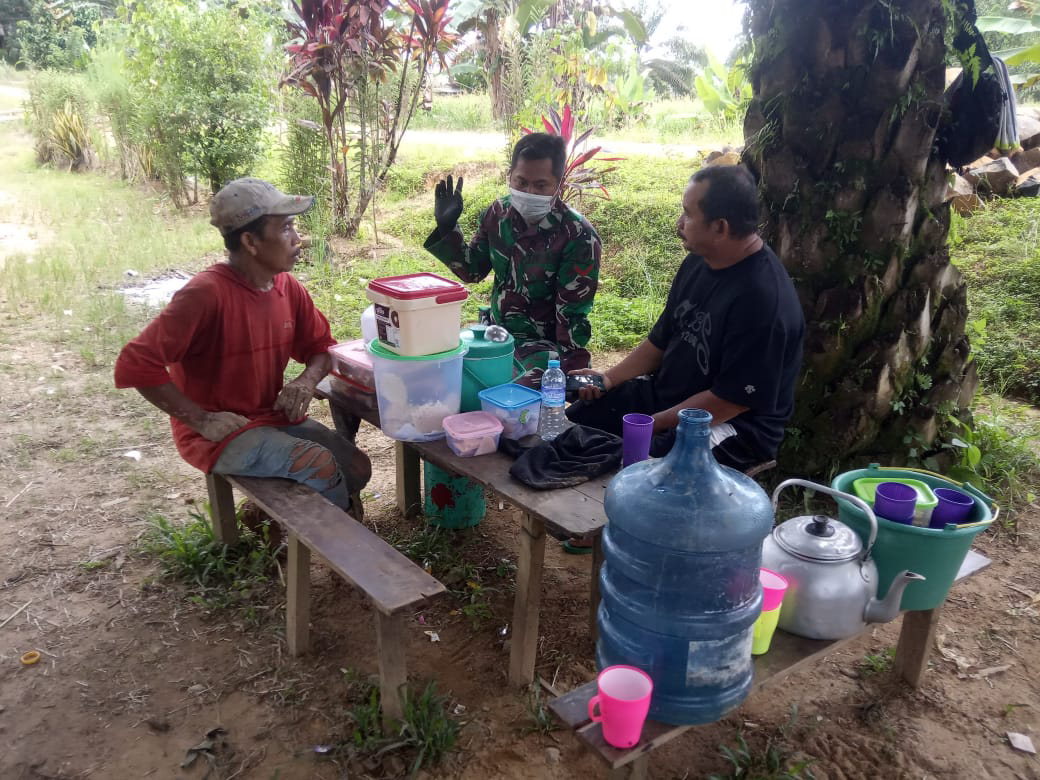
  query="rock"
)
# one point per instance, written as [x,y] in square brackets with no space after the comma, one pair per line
[552,755]
[997,176]
[729,158]
[1028,130]
[1025,159]
[962,197]
[1028,184]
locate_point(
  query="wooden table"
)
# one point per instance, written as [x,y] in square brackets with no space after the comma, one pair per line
[567,512]
[578,511]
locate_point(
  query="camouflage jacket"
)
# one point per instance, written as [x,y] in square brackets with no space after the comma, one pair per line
[545,277]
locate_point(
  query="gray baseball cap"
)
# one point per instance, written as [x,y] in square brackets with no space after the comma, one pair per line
[241,201]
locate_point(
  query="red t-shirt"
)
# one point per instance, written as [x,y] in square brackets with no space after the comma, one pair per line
[225,345]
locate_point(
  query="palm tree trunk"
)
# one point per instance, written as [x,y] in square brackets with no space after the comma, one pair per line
[847,98]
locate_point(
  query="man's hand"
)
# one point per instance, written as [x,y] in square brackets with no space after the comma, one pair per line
[217,426]
[295,398]
[591,393]
[447,205]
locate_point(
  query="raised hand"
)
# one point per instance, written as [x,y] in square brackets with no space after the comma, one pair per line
[447,205]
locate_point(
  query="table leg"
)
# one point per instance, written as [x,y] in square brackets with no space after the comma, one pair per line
[915,644]
[298,596]
[597,564]
[222,506]
[393,666]
[528,597]
[409,494]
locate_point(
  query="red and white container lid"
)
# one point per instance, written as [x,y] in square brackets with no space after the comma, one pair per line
[409,287]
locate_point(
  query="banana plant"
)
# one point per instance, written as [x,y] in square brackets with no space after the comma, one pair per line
[1017,25]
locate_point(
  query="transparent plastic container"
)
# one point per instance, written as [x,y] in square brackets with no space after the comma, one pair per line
[472,433]
[515,405]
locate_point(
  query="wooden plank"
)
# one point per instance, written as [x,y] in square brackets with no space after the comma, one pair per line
[222,506]
[594,596]
[393,664]
[355,553]
[409,492]
[524,645]
[298,597]
[915,644]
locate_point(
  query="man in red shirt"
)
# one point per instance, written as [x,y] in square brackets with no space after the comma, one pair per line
[214,359]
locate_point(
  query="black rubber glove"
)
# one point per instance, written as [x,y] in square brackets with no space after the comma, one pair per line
[447,205]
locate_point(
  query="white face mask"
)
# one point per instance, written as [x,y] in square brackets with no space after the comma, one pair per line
[532,208]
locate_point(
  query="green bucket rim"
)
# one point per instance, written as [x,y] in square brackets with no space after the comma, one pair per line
[967,487]
[377,349]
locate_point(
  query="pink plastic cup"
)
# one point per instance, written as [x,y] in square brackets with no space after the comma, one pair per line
[773,588]
[624,700]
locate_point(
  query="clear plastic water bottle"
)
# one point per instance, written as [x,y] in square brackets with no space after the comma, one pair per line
[551,417]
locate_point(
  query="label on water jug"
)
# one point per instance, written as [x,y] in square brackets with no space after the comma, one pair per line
[719,662]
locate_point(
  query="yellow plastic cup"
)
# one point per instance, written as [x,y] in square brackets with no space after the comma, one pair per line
[765,626]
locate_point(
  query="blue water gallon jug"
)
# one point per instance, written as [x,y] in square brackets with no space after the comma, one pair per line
[679,583]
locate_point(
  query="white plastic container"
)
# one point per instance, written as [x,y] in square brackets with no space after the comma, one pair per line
[515,405]
[417,314]
[472,433]
[369,330]
[415,394]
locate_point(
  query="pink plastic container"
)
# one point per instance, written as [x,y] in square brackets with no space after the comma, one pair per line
[472,433]
[352,364]
[773,588]
[623,700]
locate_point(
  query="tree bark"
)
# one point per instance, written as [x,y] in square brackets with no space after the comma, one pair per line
[847,99]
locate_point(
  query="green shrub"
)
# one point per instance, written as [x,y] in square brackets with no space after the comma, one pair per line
[203,81]
[53,95]
[52,39]
[110,82]
[304,156]
[457,112]
[997,251]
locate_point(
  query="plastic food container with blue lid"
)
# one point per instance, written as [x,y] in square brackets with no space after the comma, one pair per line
[515,405]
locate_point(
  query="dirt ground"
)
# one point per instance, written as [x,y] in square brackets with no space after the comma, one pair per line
[133,674]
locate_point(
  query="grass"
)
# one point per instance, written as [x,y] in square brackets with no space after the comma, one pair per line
[425,734]
[998,251]
[776,759]
[877,663]
[217,576]
[90,229]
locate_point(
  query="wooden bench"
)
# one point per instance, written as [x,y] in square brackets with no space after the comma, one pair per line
[394,584]
[787,654]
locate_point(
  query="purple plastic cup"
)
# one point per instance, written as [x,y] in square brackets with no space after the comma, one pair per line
[636,432]
[954,507]
[895,501]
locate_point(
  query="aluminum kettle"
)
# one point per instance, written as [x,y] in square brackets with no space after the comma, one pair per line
[832,580]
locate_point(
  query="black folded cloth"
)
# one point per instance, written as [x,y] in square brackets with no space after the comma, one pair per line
[575,456]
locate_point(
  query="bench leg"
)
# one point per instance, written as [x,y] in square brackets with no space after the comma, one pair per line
[393,666]
[298,597]
[637,770]
[915,644]
[409,495]
[524,646]
[597,564]
[222,505]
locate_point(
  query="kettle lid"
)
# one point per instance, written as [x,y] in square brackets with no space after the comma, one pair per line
[818,538]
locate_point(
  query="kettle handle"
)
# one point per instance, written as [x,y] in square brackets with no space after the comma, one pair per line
[856,500]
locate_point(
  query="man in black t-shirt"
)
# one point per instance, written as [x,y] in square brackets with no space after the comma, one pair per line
[728,341]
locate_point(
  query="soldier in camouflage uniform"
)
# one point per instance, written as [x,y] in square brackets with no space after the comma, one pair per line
[544,254]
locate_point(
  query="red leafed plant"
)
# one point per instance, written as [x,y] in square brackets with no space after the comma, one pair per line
[578,179]
[364,61]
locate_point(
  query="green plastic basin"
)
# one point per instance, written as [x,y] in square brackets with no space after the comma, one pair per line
[935,553]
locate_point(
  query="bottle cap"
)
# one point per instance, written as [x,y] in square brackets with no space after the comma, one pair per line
[554,364]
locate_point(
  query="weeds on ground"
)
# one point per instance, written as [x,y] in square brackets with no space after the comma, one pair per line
[540,719]
[426,731]
[877,663]
[219,575]
[441,553]
[776,760]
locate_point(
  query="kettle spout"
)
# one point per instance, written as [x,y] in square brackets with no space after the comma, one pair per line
[885,610]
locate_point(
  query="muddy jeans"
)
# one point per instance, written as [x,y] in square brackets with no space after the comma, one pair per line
[301,453]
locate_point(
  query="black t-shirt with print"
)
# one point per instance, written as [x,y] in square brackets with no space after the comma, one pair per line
[737,332]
